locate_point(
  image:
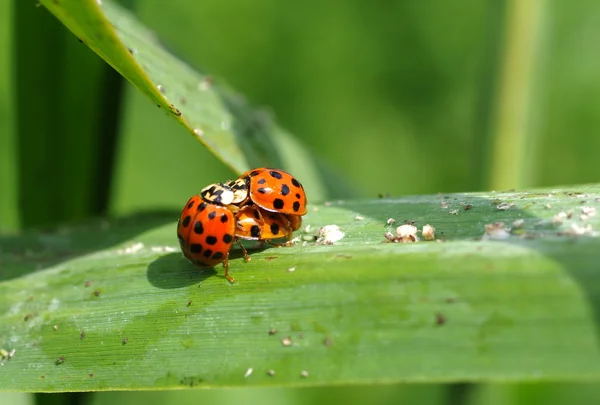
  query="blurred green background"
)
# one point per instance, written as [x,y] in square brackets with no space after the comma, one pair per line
[400,97]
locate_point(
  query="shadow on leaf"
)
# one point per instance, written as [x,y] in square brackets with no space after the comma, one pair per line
[39,249]
[173,270]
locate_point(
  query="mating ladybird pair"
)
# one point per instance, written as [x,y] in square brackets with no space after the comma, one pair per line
[262,204]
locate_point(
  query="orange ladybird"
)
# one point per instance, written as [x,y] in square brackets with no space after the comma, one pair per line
[274,190]
[254,223]
[206,233]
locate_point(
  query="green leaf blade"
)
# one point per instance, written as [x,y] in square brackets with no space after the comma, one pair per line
[134,52]
[221,119]
[359,311]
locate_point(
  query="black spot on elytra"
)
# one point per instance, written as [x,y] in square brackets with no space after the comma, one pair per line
[211,240]
[224,218]
[186,221]
[190,205]
[201,207]
[276,175]
[198,227]
[278,203]
[261,190]
[227,238]
[296,206]
[218,255]
[262,181]
[295,182]
[254,173]
[207,253]
[195,248]
[274,229]
[255,231]
[285,190]
[298,195]
[212,215]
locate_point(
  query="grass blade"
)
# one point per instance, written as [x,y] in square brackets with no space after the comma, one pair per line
[9,215]
[512,146]
[133,314]
[73,134]
[221,119]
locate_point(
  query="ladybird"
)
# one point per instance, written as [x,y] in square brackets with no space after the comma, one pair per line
[233,193]
[206,233]
[295,221]
[275,190]
[254,223]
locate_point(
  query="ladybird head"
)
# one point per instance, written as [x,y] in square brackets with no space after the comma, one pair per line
[218,193]
[239,188]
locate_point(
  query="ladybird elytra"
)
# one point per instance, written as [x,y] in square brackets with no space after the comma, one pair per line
[206,233]
[275,190]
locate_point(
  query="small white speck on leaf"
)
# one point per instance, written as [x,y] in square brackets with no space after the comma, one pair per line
[136,247]
[504,206]
[517,223]
[496,231]
[428,232]
[329,234]
[559,218]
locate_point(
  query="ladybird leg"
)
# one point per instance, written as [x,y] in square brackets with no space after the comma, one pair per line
[261,219]
[288,231]
[246,257]
[226,266]
[295,221]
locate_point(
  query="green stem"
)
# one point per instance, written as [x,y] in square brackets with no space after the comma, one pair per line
[511,131]
[9,215]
